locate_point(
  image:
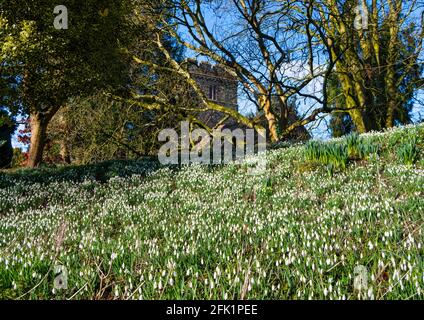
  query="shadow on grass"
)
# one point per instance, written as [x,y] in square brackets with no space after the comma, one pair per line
[100,172]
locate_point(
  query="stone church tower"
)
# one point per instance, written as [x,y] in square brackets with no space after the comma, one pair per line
[218,85]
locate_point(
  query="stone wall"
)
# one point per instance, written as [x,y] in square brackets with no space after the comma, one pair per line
[214,79]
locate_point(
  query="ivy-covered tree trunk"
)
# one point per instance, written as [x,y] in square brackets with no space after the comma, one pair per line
[352,94]
[392,57]
[391,101]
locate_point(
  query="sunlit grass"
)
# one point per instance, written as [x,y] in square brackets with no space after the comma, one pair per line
[132,230]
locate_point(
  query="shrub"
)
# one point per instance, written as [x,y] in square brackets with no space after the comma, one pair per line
[19,158]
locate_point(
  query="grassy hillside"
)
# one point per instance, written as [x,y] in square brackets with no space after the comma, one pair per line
[295,230]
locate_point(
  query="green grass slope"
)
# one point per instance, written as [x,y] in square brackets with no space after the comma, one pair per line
[296,229]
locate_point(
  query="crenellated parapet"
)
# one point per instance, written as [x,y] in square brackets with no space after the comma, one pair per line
[216,83]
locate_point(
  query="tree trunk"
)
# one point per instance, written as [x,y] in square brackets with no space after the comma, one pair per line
[284,113]
[38,139]
[64,141]
[265,104]
[391,97]
[391,65]
[358,119]
[64,151]
[356,113]
[354,103]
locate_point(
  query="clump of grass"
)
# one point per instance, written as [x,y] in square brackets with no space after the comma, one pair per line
[366,149]
[408,152]
[313,150]
[334,156]
[354,144]
[359,148]
[337,155]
